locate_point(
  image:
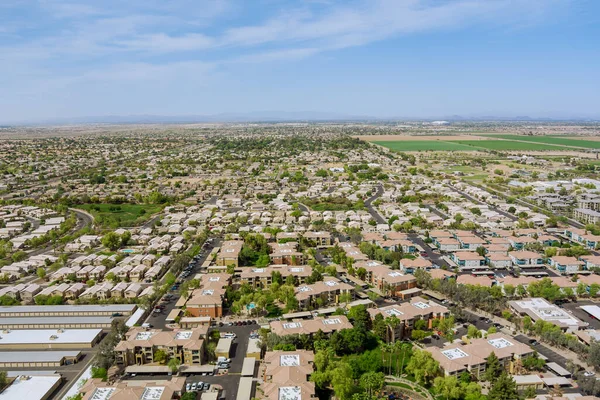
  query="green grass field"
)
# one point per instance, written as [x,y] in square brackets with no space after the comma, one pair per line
[467,145]
[510,145]
[565,141]
[424,145]
[115,215]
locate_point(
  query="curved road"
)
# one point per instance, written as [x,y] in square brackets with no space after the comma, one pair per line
[83,219]
[372,210]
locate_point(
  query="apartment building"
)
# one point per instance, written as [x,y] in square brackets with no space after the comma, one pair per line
[586,216]
[454,359]
[408,313]
[468,260]
[566,265]
[207,301]
[286,253]
[323,293]
[263,277]
[140,346]
[311,326]
[96,389]
[287,375]
[526,259]
[322,239]
[229,253]
[390,282]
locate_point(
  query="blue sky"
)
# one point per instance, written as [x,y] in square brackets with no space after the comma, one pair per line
[382,58]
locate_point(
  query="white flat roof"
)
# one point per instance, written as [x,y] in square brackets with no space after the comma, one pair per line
[48,336]
[55,320]
[290,393]
[289,360]
[500,343]
[152,393]
[421,305]
[594,311]
[548,312]
[103,393]
[30,387]
[36,356]
[453,354]
[68,308]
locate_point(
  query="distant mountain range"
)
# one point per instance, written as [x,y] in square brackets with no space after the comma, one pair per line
[274,116]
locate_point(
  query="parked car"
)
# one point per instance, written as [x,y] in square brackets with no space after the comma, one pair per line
[194,386]
[188,387]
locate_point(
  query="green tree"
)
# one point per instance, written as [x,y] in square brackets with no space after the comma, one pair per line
[473,332]
[99,373]
[423,366]
[372,382]
[3,379]
[342,382]
[41,273]
[448,387]
[160,356]
[111,241]
[189,396]
[504,388]
[174,364]
[493,368]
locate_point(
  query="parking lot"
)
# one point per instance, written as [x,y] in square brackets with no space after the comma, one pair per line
[229,381]
[576,311]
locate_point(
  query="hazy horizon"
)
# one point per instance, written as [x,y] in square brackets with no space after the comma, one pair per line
[383,59]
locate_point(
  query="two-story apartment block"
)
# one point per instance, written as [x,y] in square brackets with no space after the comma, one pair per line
[498,260]
[140,346]
[566,265]
[468,260]
[526,259]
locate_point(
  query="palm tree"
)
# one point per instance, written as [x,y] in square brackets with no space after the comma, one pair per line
[392,323]
[174,364]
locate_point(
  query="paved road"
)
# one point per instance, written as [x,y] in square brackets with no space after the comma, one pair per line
[438,212]
[158,320]
[83,219]
[150,223]
[545,351]
[372,210]
[474,200]
[435,258]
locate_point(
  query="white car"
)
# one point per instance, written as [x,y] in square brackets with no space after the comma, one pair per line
[588,373]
